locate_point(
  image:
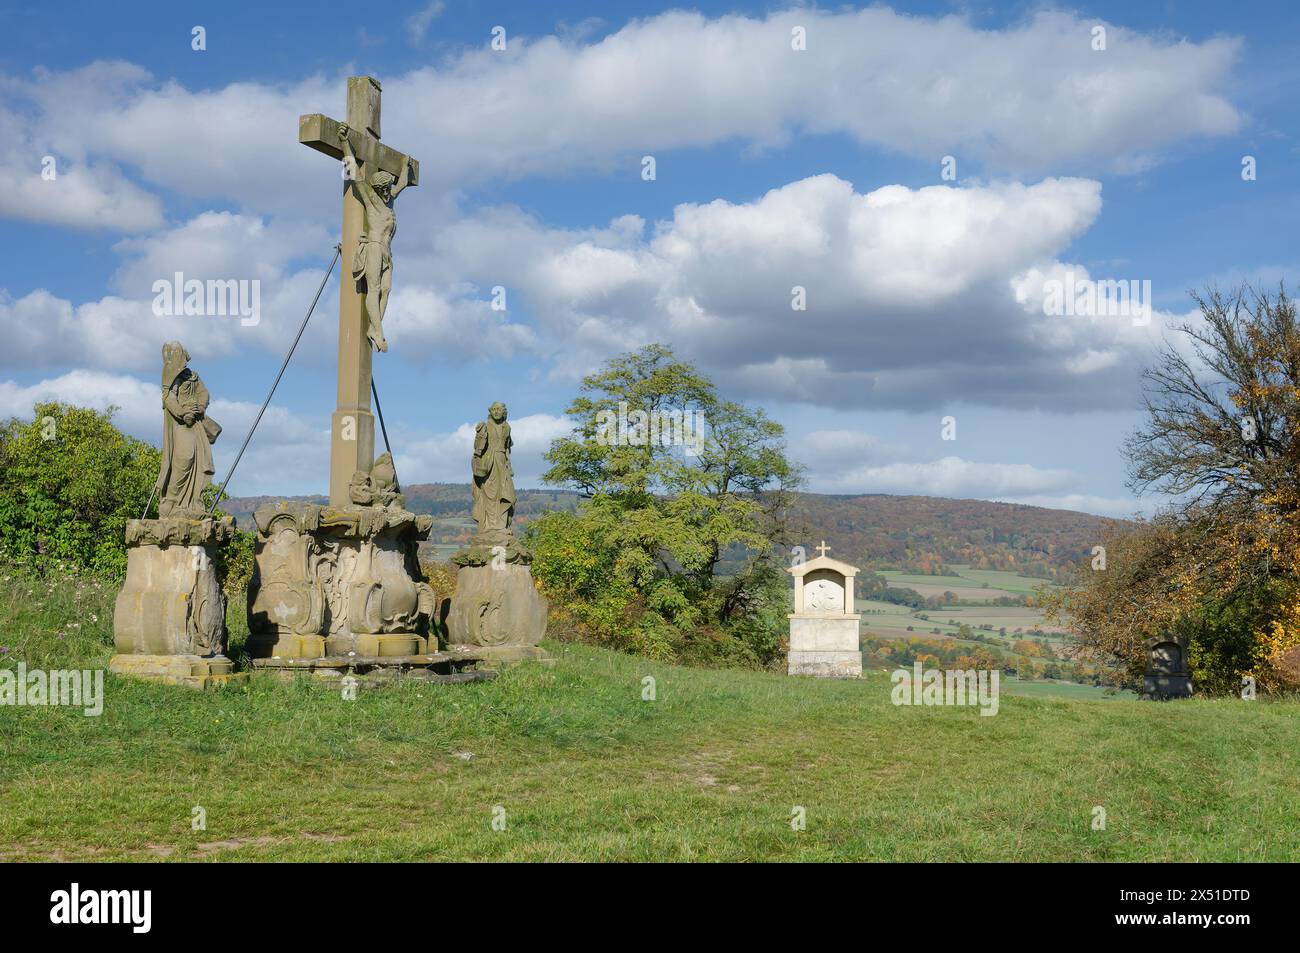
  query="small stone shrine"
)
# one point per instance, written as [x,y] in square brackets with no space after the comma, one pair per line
[823,628]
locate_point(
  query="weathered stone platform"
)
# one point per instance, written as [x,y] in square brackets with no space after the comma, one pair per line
[498,656]
[452,667]
[191,671]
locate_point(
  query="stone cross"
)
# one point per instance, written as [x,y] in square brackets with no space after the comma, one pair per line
[352,445]
[822,548]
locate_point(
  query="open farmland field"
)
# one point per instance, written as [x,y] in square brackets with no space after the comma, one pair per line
[974,585]
[887,619]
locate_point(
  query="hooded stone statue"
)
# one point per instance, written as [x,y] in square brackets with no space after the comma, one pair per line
[494,483]
[188,435]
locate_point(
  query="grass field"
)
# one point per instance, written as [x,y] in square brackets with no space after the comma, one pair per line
[888,619]
[1056,688]
[580,767]
[974,584]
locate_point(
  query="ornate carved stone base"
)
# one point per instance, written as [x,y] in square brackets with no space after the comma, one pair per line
[188,670]
[171,601]
[493,547]
[337,580]
[496,607]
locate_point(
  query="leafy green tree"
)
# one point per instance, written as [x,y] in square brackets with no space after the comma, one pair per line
[69,481]
[687,501]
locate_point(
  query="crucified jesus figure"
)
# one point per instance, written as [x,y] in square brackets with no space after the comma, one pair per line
[373,261]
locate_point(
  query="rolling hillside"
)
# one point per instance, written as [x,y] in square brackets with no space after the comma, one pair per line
[924,534]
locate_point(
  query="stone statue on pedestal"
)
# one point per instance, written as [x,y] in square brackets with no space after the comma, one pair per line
[496,606]
[169,621]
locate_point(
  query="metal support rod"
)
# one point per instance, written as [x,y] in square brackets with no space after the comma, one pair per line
[152,493]
[397,484]
[338,250]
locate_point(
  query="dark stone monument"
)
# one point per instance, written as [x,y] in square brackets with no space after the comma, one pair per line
[1167,674]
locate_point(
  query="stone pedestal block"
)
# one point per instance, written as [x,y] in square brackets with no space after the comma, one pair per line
[825,645]
[499,656]
[171,602]
[337,580]
[169,621]
[497,607]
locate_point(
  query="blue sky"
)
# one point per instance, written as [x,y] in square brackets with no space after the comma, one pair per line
[774,167]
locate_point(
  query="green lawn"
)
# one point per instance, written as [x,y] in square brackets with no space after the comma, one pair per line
[1056,688]
[583,768]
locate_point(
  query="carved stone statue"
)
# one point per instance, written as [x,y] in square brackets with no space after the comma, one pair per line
[169,620]
[494,483]
[373,261]
[378,487]
[496,608]
[188,435]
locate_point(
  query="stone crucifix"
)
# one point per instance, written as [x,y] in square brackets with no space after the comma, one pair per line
[377,174]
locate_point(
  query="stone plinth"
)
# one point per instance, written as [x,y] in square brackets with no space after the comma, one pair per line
[192,671]
[1163,687]
[337,580]
[171,613]
[171,601]
[496,656]
[825,646]
[823,627]
[496,606]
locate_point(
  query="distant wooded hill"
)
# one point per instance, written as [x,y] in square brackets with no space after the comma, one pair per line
[873,531]
[926,533]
